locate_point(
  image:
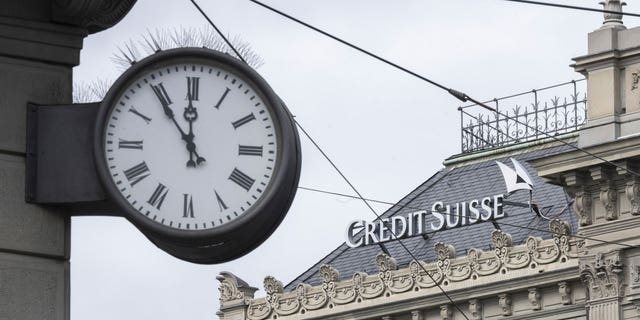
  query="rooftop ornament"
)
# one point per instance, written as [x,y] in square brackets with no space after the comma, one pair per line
[613,20]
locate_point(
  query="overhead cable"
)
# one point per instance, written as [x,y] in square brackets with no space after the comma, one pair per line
[566,6]
[457,94]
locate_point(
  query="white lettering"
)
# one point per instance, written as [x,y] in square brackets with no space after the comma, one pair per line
[435,211]
[399,233]
[351,233]
[370,234]
[486,206]
[475,213]
[497,206]
[453,219]
[419,219]
[383,227]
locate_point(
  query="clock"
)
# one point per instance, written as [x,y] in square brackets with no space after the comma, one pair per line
[198,152]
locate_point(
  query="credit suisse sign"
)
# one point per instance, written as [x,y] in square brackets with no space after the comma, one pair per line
[441,216]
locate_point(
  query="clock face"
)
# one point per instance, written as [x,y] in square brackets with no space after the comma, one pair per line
[190,145]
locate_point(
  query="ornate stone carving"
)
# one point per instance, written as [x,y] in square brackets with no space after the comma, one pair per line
[444,253]
[635,274]
[273,288]
[564,288]
[417,315]
[446,312]
[93,15]
[632,191]
[329,274]
[418,276]
[582,207]
[534,299]
[502,241]
[561,232]
[233,288]
[609,199]
[613,19]
[505,303]
[602,274]
[635,80]
[272,285]
[329,277]
[475,309]
[386,263]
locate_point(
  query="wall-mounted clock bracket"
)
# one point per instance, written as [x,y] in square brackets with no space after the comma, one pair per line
[60,168]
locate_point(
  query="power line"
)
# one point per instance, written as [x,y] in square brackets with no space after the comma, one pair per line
[218,31]
[457,94]
[566,6]
[458,215]
[379,217]
[343,176]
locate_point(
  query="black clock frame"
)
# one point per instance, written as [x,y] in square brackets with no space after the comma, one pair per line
[235,238]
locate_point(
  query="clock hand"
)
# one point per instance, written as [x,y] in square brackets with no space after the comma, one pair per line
[165,101]
[191,114]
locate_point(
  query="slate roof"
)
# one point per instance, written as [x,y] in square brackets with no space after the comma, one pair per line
[459,184]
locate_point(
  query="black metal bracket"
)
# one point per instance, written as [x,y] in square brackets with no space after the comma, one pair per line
[60,168]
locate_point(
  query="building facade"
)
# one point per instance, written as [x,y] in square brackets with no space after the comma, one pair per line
[564,247]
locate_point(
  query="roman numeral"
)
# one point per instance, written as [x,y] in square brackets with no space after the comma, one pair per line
[134,111]
[157,198]
[162,95]
[136,173]
[249,150]
[188,206]
[243,121]
[193,88]
[241,179]
[220,202]
[126,144]
[224,95]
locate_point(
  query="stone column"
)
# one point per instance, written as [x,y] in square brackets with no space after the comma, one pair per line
[605,190]
[36,60]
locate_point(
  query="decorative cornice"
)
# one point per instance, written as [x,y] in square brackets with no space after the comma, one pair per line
[93,15]
[233,290]
[447,270]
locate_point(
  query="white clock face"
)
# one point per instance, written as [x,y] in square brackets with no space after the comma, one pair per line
[190,146]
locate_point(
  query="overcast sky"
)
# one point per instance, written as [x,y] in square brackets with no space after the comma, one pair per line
[387,131]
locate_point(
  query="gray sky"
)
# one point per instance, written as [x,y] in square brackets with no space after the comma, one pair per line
[386,130]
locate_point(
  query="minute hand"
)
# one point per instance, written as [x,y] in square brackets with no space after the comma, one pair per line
[165,101]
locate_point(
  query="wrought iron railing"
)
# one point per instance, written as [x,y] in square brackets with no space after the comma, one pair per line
[524,117]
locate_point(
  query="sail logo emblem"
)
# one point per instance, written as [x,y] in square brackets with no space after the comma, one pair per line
[517,178]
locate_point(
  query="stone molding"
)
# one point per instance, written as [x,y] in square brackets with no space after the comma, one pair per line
[391,281]
[93,15]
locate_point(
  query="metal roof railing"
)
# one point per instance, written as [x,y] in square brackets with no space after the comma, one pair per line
[524,117]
